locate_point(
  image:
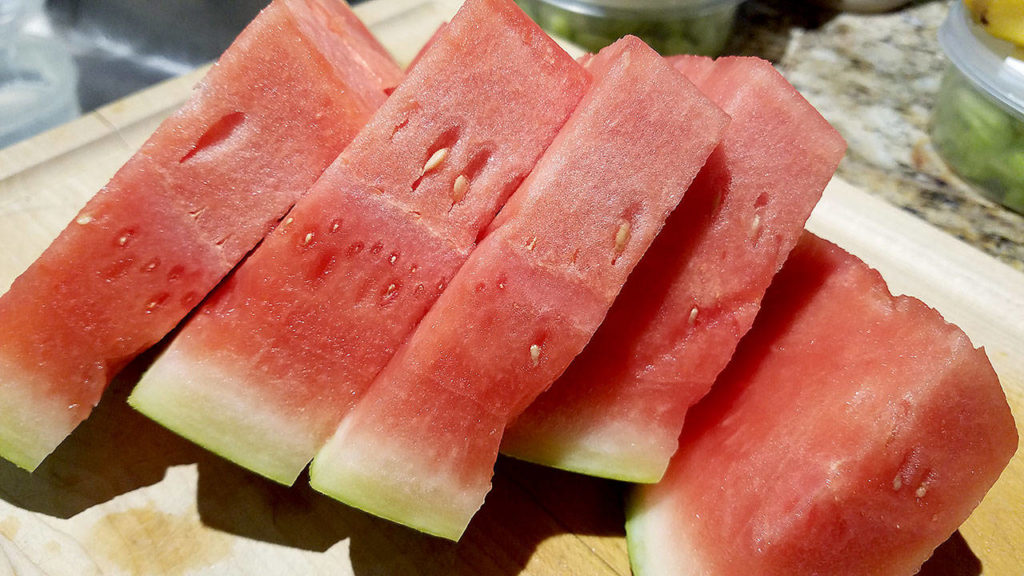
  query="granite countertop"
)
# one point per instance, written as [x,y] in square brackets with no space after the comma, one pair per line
[874,77]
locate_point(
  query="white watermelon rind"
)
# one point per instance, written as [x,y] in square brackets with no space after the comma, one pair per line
[610,452]
[377,482]
[653,539]
[32,424]
[205,403]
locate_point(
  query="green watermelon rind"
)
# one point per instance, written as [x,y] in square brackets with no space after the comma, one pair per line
[366,488]
[648,555]
[599,454]
[194,398]
[32,425]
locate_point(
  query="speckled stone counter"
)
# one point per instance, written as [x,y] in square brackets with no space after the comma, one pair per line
[874,77]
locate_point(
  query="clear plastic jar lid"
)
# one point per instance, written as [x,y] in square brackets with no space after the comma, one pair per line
[986,61]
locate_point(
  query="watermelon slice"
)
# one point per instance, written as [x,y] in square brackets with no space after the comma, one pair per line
[263,372]
[851,433]
[420,447]
[618,410]
[281,103]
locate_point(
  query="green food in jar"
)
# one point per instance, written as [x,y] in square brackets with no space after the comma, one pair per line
[980,140]
[671,31]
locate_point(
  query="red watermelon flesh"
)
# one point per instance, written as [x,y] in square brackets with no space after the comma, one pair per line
[618,409]
[281,102]
[421,445]
[263,373]
[851,433]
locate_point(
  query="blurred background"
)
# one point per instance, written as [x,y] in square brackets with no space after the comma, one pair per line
[935,127]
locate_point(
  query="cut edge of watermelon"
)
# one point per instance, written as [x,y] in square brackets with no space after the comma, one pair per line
[364,478]
[194,398]
[603,452]
[648,554]
[32,422]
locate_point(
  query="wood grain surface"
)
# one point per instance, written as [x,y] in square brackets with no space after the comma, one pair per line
[124,496]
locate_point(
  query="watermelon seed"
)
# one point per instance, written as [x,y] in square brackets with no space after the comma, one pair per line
[190,299]
[535,354]
[155,302]
[376,249]
[175,273]
[693,316]
[151,265]
[921,490]
[307,239]
[755,226]
[389,295]
[355,248]
[394,258]
[459,188]
[897,483]
[435,160]
[413,269]
[531,244]
[621,238]
[335,225]
[123,239]
[84,219]
[195,214]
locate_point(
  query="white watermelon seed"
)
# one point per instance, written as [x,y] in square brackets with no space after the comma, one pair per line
[393,259]
[921,490]
[622,237]
[755,226]
[308,238]
[435,160]
[122,240]
[535,354]
[897,483]
[531,244]
[459,188]
[288,220]
[693,316]
[84,219]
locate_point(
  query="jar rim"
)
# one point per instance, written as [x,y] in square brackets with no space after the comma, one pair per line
[597,7]
[987,62]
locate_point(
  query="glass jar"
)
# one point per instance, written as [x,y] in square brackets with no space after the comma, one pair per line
[668,26]
[38,78]
[978,117]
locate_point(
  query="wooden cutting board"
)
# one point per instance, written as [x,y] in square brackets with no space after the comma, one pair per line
[125,496]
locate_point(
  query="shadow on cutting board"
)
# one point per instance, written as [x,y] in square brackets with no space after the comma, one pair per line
[115,451]
[501,539]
